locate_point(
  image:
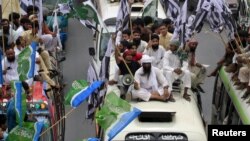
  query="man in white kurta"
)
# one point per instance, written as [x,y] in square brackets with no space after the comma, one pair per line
[198,71]
[173,69]
[149,82]
[141,45]
[155,51]
[9,66]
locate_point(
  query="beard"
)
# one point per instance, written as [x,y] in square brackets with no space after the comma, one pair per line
[6,30]
[244,43]
[155,47]
[137,41]
[146,71]
[11,59]
[192,49]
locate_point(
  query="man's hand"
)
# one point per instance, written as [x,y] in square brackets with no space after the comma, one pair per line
[5,71]
[54,34]
[38,61]
[241,59]
[136,85]
[198,65]
[165,89]
[149,44]
[40,40]
[178,71]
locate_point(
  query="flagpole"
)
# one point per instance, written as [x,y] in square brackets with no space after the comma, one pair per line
[126,65]
[3,42]
[221,38]
[241,45]
[130,20]
[64,117]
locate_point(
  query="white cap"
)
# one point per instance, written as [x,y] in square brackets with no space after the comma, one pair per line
[146,59]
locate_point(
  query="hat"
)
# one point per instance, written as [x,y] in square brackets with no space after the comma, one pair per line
[33,18]
[193,41]
[146,59]
[175,43]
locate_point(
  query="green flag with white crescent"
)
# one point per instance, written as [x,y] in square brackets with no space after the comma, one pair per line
[80,91]
[115,115]
[77,87]
[113,106]
[30,131]
[26,62]
[85,10]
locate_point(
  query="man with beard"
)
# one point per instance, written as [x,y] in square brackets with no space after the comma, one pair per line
[155,51]
[25,24]
[9,32]
[9,66]
[173,69]
[198,71]
[141,45]
[14,20]
[150,83]
[145,32]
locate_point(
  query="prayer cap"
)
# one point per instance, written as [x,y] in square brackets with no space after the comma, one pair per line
[175,43]
[146,59]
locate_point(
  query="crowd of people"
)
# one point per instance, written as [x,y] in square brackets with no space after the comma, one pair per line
[156,60]
[19,31]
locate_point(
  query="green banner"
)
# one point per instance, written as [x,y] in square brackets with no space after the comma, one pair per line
[77,86]
[113,106]
[24,133]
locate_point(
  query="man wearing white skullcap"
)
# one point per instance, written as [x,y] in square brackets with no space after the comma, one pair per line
[150,82]
[173,69]
[198,71]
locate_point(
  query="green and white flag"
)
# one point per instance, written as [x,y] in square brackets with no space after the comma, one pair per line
[115,115]
[86,11]
[80,91]
[30,131]
[26,62]
[20,101]
[77,87]
[150,8]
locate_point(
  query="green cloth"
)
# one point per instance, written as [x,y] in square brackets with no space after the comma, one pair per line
[113,106]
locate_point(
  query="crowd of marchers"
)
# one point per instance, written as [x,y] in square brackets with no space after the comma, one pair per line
[19,31]
[156,60]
